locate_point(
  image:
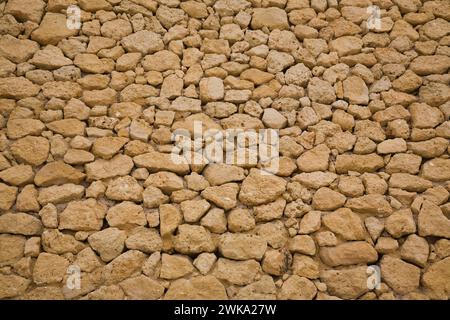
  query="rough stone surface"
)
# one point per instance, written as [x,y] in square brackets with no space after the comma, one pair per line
[103,167]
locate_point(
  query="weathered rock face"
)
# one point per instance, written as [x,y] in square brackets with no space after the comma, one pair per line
[102,168]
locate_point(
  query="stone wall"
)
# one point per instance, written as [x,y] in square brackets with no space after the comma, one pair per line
[93,206]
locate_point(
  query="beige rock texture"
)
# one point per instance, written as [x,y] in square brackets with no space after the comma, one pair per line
[92,177]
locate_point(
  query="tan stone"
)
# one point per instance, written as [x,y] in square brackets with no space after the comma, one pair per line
[348,253]
[260,188]
[196,288]
[402,277]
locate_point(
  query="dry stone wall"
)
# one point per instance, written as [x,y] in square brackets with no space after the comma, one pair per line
[92,206]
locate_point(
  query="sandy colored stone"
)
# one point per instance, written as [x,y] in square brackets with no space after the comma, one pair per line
[109,243]
[346,283]
[142,288]
[197,288]
[49,268]
[260,188]
[20,223]
[348,253]
[223,196]
[242,246]
[193,239]
[57,173]
[126,214]
[83,215]
[402,277]
[175,266]
[31,150]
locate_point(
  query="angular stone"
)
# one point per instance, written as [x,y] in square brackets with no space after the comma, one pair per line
[53,28]
[17,50]
[142,288]
[57,173]
[236,272]
[156,161]
[346,283]
[242,246]
[109,243]
[218,173]
[372,203]
[31,150]
[327,199]
[272,18]
[124,188]
[360,163]
[348,253]
[315,159]
[432,222]
[119,165]
[126,215]
[211,89]
[83,215]
[12,286]
[17,88]
[196,288]
[437,279]
[49,268]
[11,249]
[193,239]
[174,266]
[20,223]
[261,188]
[124,266]
[161,61]
[345,223]
[437,169]
[223,196]
[60,194]
[402,277]
[143,41]
[297,288]
[144,239]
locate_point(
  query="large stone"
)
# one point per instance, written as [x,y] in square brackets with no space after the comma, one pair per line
[60,194]
[11,249]
[327,199]
[161,61]
[49,268]
[356,91]
[315,159]
[12,285]
[57,173]
[143,41]
[348,253]
[372,203]
[193,239]
[31,150]
[223,196]
[124,266]
[260,188]
[109,243]
[142,288]
[360,163]
[345,223]
[346,283]
[17,88]
[124,188]
[437,279]
[402,277]
[7,196]
[156,161]
[20,223]
[196,288]
[272,18]
[17,50]
[236,272]
[83,215]
[174,266]
[53,28]
[432,222]
[242,246]
[126,214]
[120,165]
